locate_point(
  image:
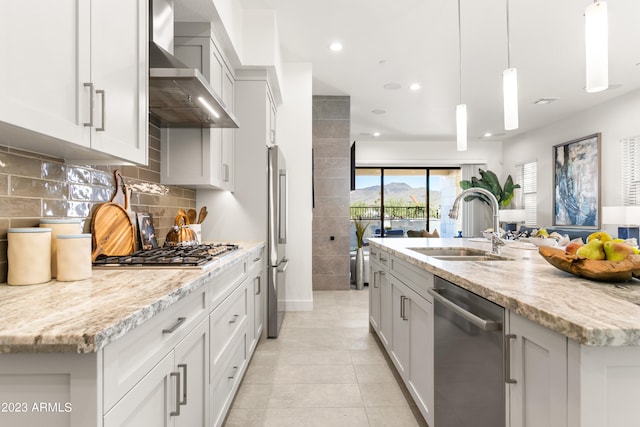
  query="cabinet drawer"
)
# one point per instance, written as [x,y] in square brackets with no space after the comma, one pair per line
[417,279]
[224,383]
[379,257]
[223,284]
[131,356]
[226,321]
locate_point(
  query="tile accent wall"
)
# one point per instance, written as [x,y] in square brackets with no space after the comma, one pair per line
[33,186]
[331,151]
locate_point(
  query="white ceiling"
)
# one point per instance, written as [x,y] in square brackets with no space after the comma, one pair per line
[406,41]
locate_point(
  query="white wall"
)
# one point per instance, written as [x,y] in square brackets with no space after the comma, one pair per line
[615,120]
[428,153]
[293,134]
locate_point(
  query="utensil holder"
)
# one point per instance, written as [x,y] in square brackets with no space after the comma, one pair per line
[74,257]
[28,255]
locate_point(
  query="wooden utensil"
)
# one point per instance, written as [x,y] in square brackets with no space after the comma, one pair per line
[119,195]
[202,215]
[183,213]
[191,214]
[113,233]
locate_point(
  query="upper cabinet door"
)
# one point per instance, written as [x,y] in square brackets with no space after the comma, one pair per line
[45,56]
[119,74]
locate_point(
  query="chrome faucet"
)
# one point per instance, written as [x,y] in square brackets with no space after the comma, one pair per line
[496,241]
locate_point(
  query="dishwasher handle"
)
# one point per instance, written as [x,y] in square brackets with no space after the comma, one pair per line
[485,325]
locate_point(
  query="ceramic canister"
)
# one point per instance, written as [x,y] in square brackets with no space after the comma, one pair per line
[73,257]
[60,226]
[29,255]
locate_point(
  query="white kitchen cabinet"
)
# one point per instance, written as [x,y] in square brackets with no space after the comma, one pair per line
[257,303]
[203,158]
[403,319]
[174,392]
[73,53]
[538,356]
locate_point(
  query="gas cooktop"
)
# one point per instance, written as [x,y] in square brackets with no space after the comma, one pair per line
[194,256]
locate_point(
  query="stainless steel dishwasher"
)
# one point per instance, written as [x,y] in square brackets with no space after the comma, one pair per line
[468,358]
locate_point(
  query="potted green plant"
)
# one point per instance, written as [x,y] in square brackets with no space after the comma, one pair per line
[489,181]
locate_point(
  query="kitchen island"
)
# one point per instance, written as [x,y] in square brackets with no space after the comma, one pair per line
[573,345]
[119,346]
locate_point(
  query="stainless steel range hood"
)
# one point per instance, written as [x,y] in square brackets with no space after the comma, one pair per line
[179,96]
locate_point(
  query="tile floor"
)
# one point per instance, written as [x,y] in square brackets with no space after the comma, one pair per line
[325,369]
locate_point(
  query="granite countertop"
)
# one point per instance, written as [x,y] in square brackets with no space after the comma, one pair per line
[84,316]
[589,312]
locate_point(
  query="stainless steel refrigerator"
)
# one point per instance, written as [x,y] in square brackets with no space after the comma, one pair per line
[277,240]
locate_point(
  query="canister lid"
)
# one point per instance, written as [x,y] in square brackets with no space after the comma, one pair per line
[29,230]
[74,236]
[60,221]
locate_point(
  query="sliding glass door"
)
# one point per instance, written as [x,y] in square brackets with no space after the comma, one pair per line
[404,201]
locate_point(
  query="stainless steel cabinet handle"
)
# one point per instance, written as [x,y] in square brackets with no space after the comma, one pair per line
[485,325]
[235,318]
[90,86]
[177,411]
[101,92]
[226,172]
[374,253]
[507,358]
[383,259]
[183,366]
[403,307]
[375,281]
[256,259]
[175,326]
[259,281]
[234,371]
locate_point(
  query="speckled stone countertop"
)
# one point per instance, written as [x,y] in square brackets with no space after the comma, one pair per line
[589,312]
[85,316]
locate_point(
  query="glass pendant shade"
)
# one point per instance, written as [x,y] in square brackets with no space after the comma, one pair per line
[596,41]
[461,127]
[510,94]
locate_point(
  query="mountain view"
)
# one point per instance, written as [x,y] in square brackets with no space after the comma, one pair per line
[394,191]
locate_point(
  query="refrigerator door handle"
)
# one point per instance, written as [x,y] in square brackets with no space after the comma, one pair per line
[282,267]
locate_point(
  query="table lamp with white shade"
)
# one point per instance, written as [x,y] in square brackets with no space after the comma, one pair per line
[626,217]
[511,218]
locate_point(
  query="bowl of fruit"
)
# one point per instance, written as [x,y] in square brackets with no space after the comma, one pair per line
[602,258]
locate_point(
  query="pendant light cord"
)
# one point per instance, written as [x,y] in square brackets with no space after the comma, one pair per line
[508,39]
[460,51]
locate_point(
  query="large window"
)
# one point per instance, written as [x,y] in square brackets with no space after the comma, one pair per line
[396,200]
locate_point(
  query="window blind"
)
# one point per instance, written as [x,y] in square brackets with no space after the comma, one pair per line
[631,170]
[526,196]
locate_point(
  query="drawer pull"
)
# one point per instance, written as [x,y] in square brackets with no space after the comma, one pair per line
[258,279]
[175,326]
[256,259]
[235,319]
[177,411]
[234,372]
[183,366]
[383,259]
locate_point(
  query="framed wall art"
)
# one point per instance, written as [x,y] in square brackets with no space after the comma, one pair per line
[576,183]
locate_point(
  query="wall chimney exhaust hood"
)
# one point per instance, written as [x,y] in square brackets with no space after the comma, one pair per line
[179,96]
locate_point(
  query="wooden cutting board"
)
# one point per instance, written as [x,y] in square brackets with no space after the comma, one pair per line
[112,230]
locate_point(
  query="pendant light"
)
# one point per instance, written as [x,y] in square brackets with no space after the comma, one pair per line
[596,42]
[510,87]
[461,109]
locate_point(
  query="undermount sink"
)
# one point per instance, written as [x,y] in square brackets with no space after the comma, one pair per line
[460,254]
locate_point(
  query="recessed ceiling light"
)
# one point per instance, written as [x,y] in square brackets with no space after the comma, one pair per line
[376,134]
[415,86]
[336,46]
[392,86]
[378,111]
[487,134]
[543,101]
